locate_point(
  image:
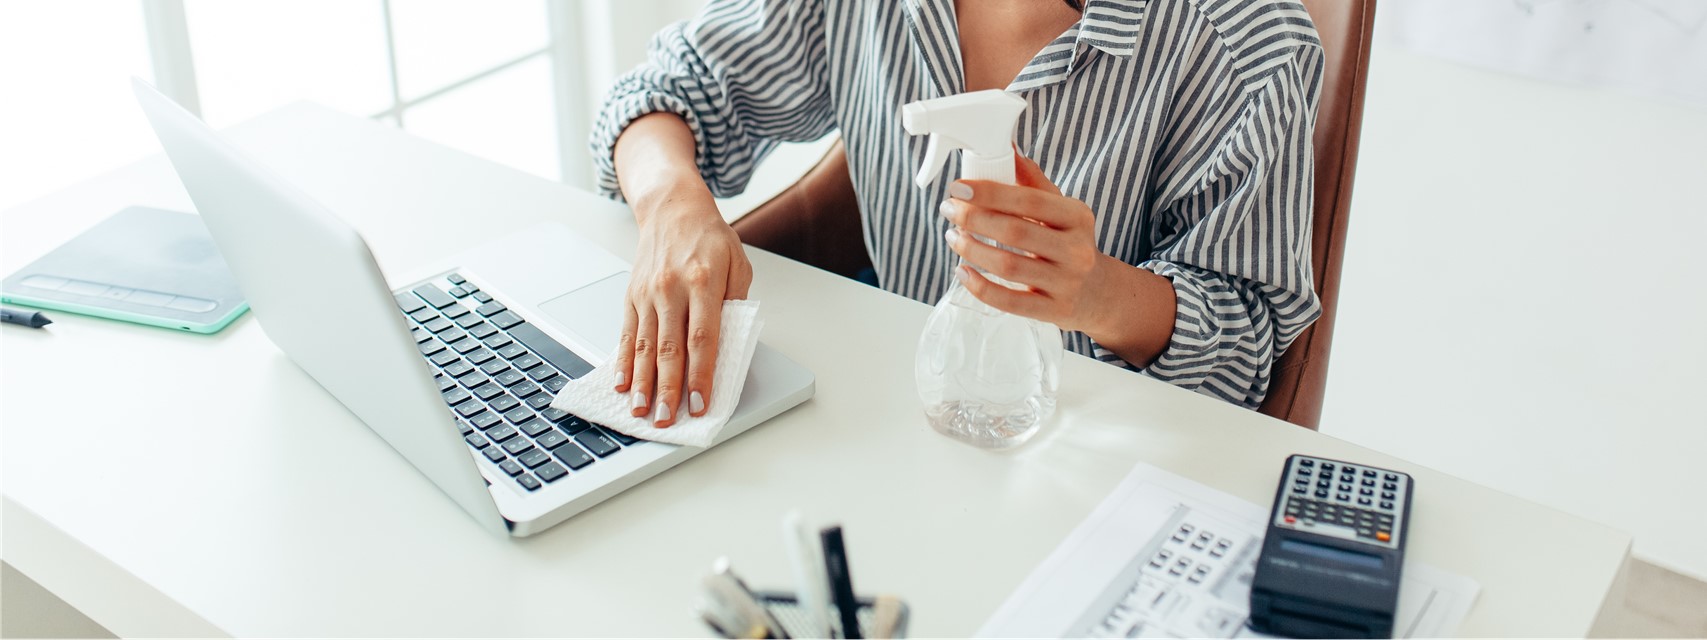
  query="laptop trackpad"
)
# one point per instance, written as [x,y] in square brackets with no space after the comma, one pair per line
[594,312]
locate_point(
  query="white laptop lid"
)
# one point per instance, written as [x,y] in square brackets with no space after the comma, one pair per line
[275,238]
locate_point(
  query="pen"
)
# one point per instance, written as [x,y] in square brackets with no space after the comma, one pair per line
[841,583]
[31,319]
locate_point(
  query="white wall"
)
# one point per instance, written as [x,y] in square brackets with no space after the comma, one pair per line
[1524,301]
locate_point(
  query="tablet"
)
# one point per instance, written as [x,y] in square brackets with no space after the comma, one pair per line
[148,266]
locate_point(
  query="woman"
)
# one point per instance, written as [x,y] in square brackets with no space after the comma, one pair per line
[1166,199]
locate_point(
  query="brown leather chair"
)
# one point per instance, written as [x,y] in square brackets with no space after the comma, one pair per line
[816,220]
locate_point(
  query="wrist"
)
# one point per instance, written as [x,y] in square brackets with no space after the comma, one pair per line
[678,202]
[1134,317]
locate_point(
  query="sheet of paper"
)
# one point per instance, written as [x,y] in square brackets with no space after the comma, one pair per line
[1165,557]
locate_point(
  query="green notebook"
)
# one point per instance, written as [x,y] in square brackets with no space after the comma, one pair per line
[142,265]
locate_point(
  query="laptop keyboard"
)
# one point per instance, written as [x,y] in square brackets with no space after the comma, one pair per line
[499,374]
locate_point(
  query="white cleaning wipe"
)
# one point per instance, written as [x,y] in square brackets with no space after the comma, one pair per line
[594,396]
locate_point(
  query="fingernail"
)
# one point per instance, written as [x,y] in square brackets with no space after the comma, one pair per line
[696,403]
[960,190]
[639,401]
[946,209]
[661,411]
[621,379]
[952,235]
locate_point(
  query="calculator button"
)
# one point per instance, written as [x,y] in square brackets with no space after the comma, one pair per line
[1291,519]
[1306,462]
[1345,487]
[1383,536]
[1366,492]
[1389,486]
[1368,482]
[1321,493]
[1366,532]
[1386,495]
[1343,496]
[1385,518]
[1304,472]
[1386,505]
[1392,477]
[1369,473]
[1363,501]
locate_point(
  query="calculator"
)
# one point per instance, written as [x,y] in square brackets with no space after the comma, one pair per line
[1331,560]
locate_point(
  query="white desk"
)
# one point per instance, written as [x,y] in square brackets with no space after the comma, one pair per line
[173,484]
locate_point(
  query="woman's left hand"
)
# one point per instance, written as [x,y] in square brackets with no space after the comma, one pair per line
[1067,278]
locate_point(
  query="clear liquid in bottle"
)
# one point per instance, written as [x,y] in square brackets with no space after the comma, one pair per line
[986,377]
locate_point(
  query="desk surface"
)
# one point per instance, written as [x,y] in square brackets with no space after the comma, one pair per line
[175,484]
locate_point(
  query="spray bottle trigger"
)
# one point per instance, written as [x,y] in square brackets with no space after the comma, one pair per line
[936,155]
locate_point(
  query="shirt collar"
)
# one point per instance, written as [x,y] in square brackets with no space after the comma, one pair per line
[1110,26]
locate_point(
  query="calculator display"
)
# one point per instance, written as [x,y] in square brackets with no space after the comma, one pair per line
[1331,553]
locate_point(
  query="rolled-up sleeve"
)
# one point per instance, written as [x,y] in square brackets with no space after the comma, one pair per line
[744,74]
[1241,266]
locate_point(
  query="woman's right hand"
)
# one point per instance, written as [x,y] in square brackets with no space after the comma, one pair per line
[687,263]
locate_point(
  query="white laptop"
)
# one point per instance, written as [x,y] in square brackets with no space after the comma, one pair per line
[457,372]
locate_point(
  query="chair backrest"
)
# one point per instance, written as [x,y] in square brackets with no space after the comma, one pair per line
[1299,381]
[816,220]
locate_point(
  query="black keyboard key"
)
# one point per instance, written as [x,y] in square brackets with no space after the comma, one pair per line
[455,396]
[534,427]
[501,433]
[525,362]
[409,302]
[505,319]
[434,296]
[488,391]
[496,340]
[464,428]
[469,321]
[518,415]
[524,388]
[512,351]
[458,292]
[445,382]
[474,380]
[469,409]
[504,402]
[474,440]
[528,482]
[430,347]
[559,356]
[486,420]
[493,453]
[453,335]
[552,439]
[490,308]
[424,315]
[540,401]
[494,367]
[597,442]
[556,384]
[455,311]
[517,445]
[480,356]
[511,467]
[551,471]
[625,439]
[458,369]
[468,286]
[482,330]
[534,458]
[455,278]
[508,377]
[444,358]
[421,334]
[553,414]
[576,424]
[542,372]
[438,324]
[465,345]
[481,296]
[572,456]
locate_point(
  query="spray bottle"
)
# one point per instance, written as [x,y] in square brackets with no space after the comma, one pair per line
[986,377]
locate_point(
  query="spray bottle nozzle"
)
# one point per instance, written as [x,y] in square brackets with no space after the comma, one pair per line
[981,123]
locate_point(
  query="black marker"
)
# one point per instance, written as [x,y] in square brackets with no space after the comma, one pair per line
[841,583]
[31,319]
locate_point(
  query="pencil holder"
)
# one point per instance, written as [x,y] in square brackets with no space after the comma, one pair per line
[786,609]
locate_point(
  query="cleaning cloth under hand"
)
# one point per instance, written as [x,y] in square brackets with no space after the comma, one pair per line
[594,397]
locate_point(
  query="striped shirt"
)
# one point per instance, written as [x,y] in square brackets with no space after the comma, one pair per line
[1185,125]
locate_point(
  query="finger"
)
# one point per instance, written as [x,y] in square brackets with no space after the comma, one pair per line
[1048,208]
[672,360]
[1007,229]
[1013,267]
[1029,174]
[625,348]
[645,362]
[1024,303]
[705,321]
